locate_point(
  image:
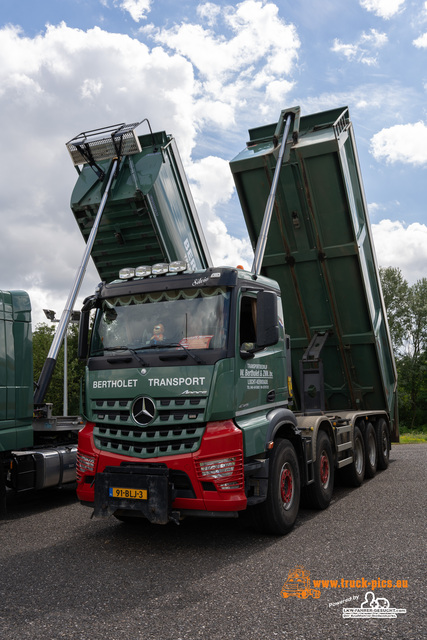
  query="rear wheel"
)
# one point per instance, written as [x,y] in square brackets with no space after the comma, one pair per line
[383,443]
[355,472]
[320,492]
[371,451]
[278,513]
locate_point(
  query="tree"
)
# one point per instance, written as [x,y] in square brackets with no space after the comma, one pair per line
[42,340]
[407,316]
[396,294]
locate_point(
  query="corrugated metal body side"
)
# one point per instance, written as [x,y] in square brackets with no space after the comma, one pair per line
[16,371]
[321,253]
[149,216]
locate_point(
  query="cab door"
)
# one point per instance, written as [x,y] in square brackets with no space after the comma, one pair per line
[261,372]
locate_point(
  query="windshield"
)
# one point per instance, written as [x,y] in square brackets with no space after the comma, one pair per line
[190,318]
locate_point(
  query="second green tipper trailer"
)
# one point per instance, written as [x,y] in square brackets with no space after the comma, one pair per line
[216,391]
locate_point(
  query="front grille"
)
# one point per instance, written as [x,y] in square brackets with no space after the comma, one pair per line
[177,428]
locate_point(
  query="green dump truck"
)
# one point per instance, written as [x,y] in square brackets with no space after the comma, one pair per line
[216,391]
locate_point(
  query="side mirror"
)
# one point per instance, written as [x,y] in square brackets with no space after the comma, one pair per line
[83,346]
[267,332]
[83,335]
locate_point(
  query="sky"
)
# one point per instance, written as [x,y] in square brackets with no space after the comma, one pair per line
[205,72]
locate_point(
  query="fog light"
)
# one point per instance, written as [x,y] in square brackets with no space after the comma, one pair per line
[177,266]
[160,268]
[126,273]
[142,272]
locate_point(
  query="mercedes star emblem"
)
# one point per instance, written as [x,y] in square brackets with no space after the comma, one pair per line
[143,411]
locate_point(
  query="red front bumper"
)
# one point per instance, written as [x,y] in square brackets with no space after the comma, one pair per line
[215,472]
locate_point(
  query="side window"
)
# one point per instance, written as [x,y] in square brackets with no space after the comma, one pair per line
[247,329]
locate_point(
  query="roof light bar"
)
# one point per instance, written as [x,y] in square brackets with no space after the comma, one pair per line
[177,266]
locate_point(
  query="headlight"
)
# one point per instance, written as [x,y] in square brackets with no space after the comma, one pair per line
[218,469]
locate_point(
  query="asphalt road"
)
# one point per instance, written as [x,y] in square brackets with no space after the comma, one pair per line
[64,575]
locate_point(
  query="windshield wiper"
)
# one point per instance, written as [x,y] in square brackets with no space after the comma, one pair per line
[187,351]
[174,356]
[123,348]
[167,345]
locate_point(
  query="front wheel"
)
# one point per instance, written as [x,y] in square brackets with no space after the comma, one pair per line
[278,513]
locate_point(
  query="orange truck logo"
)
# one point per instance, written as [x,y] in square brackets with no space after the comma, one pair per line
[298,584]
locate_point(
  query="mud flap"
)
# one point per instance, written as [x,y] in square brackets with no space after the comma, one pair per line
[143,489]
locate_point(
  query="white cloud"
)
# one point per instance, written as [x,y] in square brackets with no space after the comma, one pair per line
[371,103]
[212,184]
[211,180]
[209,12]
[402,246]
[261,49]
[421,42]
[364,49]
[136,8]
[405,143]
[91,88]
[383,8]
[225,249]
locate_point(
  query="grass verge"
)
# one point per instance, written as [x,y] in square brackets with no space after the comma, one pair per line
[413,438]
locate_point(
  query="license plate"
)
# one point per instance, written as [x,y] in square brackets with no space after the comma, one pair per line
[132,494]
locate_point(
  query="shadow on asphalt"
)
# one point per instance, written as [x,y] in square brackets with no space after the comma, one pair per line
[37,502]
[21,505]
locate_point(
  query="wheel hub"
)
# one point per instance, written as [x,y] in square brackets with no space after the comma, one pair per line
[286,486]
[324,470]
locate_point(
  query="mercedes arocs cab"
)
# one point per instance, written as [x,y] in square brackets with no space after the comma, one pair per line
[215,391]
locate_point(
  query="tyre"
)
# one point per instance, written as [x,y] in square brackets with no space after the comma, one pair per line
[371,451]
[319,493]
[355,472]
[277,514]
[383,444]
